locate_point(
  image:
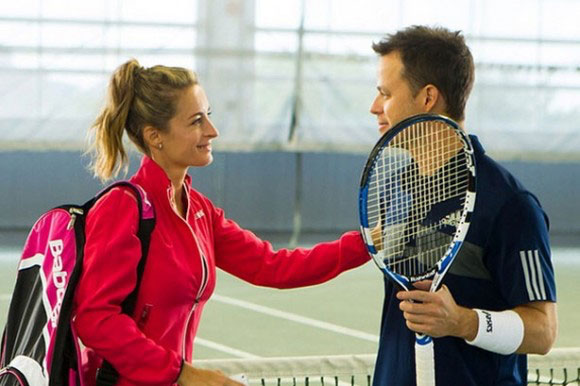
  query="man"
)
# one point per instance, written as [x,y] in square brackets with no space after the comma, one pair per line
[498,299]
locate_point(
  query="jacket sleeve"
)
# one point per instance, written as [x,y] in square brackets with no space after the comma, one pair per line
[112,252]
[244,255]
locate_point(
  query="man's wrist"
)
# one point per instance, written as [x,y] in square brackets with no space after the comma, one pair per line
[469,324]
[499,332]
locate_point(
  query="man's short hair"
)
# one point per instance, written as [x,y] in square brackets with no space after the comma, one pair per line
[437,56]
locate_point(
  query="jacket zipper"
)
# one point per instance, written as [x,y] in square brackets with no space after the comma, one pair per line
[204,281]
[183,341]
[204,277]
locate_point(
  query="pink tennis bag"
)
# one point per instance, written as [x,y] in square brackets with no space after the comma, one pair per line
[39,346]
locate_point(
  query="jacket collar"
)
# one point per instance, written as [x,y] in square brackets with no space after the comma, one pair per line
[477,147]
[154,179]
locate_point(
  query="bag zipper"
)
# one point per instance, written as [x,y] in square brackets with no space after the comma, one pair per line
[73,216]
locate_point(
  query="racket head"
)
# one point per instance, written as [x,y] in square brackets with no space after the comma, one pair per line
[416,197]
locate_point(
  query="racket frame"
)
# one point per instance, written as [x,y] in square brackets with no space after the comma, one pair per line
[442,266]
[424,354]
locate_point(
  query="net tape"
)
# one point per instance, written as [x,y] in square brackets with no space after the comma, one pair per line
[560,367]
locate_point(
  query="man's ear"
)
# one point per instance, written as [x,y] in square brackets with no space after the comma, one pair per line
[432,99]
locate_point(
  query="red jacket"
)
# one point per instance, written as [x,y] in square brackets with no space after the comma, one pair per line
[149,346]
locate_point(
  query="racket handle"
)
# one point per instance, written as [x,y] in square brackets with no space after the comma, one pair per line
[424,360]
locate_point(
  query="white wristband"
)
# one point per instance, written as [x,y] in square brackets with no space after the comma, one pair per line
[499,332]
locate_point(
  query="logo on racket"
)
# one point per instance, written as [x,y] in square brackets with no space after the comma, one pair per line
[452,219]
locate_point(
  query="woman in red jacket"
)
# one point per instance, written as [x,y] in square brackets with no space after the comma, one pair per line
[165,113]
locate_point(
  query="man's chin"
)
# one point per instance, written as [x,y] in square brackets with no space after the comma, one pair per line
[383,129]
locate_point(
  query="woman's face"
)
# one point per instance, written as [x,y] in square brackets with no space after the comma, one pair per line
[187,142]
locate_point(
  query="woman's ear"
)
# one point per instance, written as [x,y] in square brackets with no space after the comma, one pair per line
[152,137]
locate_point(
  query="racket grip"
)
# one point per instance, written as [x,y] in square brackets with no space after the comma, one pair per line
[424,361]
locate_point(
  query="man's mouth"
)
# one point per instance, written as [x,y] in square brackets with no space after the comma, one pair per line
[206,146]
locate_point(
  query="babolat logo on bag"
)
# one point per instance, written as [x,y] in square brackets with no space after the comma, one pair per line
[39,345]
[59,277]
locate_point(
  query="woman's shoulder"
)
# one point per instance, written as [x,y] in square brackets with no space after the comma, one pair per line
[119,201]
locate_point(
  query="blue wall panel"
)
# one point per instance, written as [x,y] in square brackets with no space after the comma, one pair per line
[258,189]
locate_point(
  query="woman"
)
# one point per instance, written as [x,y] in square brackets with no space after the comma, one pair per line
[165,113]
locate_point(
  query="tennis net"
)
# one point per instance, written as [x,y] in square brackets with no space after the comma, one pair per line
[560,367]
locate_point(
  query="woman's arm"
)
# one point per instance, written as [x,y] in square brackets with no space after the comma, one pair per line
[112,252]
[243,254]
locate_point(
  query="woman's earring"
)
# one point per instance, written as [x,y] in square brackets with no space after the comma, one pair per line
[160,146]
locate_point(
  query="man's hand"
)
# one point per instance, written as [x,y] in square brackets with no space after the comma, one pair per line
[435,313]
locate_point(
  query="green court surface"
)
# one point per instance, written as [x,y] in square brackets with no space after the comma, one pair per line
[338,317]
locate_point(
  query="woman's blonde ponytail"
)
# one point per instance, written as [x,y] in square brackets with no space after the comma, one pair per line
[137,97]
[109,155]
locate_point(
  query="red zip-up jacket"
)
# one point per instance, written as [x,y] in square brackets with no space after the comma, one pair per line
[148,347]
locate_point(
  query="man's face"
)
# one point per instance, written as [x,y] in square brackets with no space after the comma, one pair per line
[394,101]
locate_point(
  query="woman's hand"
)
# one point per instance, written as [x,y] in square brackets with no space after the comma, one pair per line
[191,376]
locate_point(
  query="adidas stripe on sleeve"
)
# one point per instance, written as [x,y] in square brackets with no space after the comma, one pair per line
[521,258]
[533,275]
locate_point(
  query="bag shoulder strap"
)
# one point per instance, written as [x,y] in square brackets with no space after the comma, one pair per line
[107,375]
[144,230]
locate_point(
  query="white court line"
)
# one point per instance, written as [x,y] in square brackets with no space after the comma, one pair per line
[272,312]
[269,311]
[296,318]
[200,341]
[226,349]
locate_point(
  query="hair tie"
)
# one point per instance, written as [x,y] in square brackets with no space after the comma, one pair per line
[138,70]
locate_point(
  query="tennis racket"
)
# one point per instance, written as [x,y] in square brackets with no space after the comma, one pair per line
[417,193]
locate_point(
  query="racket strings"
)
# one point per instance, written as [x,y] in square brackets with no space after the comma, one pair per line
[451,181]
[452,188]
[426,257]
[400,159]
[421,168]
